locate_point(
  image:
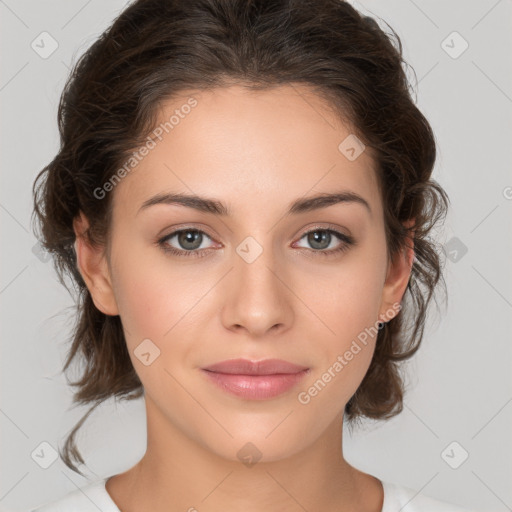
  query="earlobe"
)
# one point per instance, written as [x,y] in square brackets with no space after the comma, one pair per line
[397,279]
[92,265]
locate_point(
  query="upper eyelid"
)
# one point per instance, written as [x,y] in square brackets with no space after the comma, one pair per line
[342,237]
[329,228]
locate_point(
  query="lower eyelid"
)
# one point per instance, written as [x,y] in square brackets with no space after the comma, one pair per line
[170,236]
[344,239]
[345,242]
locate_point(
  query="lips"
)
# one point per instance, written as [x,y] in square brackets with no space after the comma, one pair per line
[247,367]
[255,380]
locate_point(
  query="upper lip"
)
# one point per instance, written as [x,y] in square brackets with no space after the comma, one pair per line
[247,367]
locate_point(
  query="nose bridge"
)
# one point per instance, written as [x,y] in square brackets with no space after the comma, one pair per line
[257,296]
[255,266]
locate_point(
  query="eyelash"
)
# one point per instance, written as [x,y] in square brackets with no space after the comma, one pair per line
[347,242]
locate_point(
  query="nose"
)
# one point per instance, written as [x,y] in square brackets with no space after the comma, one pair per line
[258,297]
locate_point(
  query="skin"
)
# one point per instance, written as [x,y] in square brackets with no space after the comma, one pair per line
[256,152]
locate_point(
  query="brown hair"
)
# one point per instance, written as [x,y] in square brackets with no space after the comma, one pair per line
[157,48]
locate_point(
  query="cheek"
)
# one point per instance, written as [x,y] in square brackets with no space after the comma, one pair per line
[346,302]
[147,296]
[155,321]
[348,297]
[161,302]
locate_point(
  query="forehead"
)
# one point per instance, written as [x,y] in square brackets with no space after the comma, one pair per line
[272,146]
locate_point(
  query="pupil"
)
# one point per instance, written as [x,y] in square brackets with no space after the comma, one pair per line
[317,237]
[189,237]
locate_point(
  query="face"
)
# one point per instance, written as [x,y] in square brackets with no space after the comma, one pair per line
[260,280]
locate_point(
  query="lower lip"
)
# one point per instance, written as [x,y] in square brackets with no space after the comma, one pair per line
[256,387]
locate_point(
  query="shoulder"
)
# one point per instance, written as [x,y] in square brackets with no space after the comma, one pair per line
[404,499]
[91,498]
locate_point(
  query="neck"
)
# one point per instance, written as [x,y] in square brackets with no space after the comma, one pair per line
[177,473]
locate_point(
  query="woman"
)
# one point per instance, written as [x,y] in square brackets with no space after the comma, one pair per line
[243,197]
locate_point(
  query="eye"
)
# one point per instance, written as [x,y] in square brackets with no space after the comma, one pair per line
[321,240]
[190,242]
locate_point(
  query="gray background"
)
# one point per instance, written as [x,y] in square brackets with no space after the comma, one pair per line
[459,383]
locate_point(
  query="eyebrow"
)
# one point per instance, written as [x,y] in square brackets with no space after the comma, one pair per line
[216,207]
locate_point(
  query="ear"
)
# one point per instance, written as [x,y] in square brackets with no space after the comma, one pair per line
[397,278]
[92,264]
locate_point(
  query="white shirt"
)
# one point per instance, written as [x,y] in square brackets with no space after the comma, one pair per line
[397,498]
